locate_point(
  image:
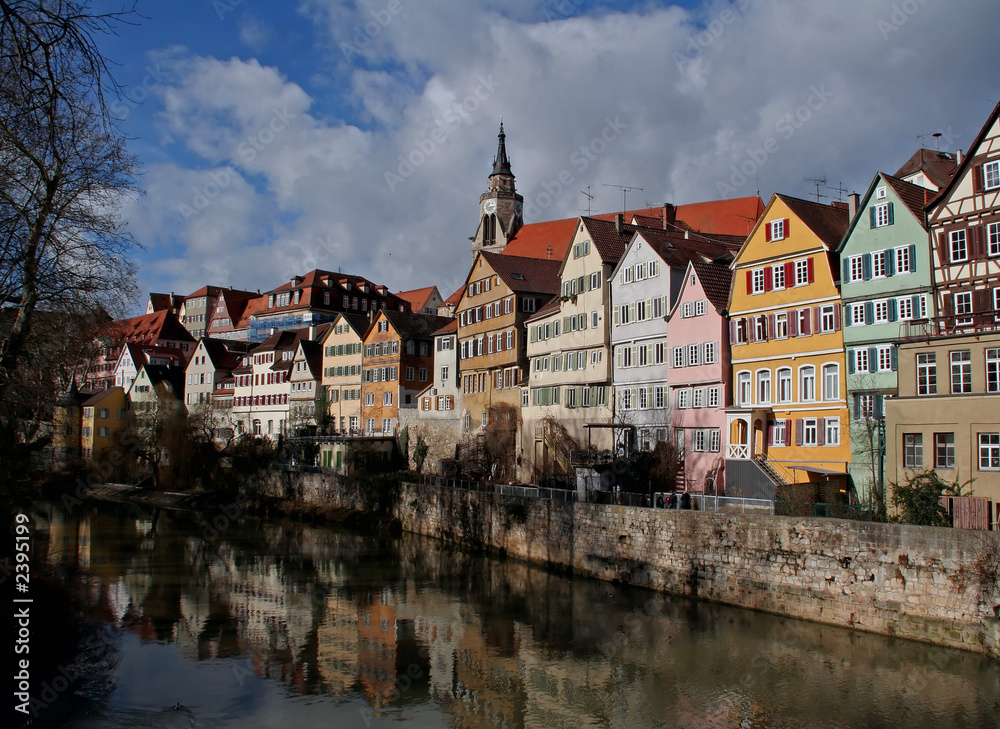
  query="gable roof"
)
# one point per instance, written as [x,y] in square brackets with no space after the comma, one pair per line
[827,222]
[716,279]
[414,325]
[967,160]
[225,354]
[548,241]
[938,167]
[418,298]
[913,196]
[525,275]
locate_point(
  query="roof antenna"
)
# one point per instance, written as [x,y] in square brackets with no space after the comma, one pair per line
[937,141]
[819,183]
[625,190]
[589,198]
[839,189]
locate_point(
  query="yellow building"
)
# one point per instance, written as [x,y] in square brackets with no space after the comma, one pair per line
[342,371]
[104,414]
[789,420]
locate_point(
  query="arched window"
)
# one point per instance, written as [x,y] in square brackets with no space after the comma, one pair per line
[745,388]
[763,387]
[489,229]
[807,383]
[831,382]
[785,384]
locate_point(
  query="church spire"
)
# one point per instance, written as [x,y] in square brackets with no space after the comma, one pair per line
[501,165]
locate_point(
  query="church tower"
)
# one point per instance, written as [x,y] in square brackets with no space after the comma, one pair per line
[500,207]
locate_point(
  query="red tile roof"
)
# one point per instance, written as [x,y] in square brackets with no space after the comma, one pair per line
[450,327]
[829,223]
[417,298]
[938,167]
[524,274]
[715,279]
[913,196]
[548,241]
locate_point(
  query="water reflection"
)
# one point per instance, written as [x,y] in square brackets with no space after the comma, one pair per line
[275,625]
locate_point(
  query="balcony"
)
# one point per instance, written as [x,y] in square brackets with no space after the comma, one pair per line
[949,326]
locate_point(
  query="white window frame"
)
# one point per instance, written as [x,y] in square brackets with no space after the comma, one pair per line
[903,263]
[991,175]
[958,246]
[856,269]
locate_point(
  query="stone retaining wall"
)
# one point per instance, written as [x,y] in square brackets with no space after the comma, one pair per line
[925,583]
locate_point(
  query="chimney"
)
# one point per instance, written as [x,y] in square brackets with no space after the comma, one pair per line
[852,205]
[669,215]
[312,332]
[958,157]
[619,222]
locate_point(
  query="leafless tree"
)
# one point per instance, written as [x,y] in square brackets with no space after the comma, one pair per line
[64,173]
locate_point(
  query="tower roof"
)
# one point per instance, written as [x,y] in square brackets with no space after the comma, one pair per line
[501,165]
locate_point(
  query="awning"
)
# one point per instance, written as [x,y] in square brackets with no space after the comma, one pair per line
[816,469]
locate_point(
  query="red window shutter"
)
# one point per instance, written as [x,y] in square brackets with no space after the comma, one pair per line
[767,278]
[943,253]
[836,318]
[785,226]
[816,318]
[982,300]
[770,325]
[768,331]
[809,264]
[751,334]
[767,232]
[793,323]
[770,434]
[806,322]
[732,332]
[948,303]
[789,274]
[977,179]
[749,282]
[977,247]
[820,432]
[798,431]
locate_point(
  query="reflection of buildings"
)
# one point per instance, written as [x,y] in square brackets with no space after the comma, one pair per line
[337,645]
[377,648]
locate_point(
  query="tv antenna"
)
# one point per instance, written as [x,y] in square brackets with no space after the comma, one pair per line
[840,190]
[819,183]
[937,140]
[625,191]
[589,199]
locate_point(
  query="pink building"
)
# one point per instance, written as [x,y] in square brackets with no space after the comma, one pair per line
[699,375]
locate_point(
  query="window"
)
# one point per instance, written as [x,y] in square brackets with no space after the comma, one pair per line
[857,312]
[692,354]
[991,175]
[944,450]
[961,371]
[745,388]
[866,406]
[713,397]
[778,230]
[779,433]
[957,246]
[678,356]
[714,440]
[989,451]
[861,359]
[881,215]
[781,325]
[855,269]
[993,370]
[802,272]
[807,384]
[528,305]
[369,399]
[884,354]
[699,307]
[683,398]
[387,398]
[757,281]
[963,307]
[740,332]
[913,450]
[903,262]
[659,397]
[904,308]
[810,432]
[832,431]
[764,387]
[831,382]
[777,277]
[785,384]
[880,310]
[699,441]
[709,352]
[993,238]
[927,374]
[827,318]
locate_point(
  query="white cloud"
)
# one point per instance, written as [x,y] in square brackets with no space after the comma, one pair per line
[689,102]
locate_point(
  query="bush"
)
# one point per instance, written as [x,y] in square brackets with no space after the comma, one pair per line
[919,499]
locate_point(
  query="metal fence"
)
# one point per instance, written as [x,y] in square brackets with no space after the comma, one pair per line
[732,504]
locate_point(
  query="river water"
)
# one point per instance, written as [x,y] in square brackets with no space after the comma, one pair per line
[286,625]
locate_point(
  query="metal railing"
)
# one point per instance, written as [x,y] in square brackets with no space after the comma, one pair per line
[732,504]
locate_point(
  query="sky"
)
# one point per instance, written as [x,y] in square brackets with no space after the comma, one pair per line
[279,137]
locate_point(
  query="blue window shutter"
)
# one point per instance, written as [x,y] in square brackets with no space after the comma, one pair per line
[847,314]
[880,405]
[866,262]
[913,258]
[895,361]
[846,275]
[892,310]
[873,359]
[916,306]
[850,361]
[869,311]
[871,217]
[891,218]
[890,262]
